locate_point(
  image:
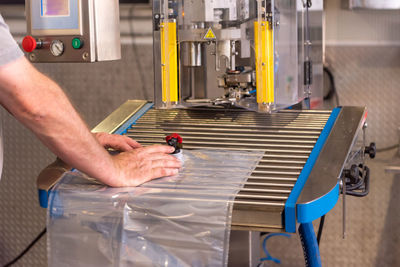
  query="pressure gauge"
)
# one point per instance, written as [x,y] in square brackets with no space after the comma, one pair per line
[57,48]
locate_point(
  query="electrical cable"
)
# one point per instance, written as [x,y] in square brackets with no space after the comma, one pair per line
[364,192]
[136,56]
[388,148]
[42,233]
[320,228]
[332,90]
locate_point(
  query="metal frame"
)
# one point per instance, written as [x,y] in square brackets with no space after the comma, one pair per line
[321,191]
[248,212]
[100,37]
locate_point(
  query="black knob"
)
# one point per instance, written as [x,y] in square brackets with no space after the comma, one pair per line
[352,174]
[174,142]
[371,150]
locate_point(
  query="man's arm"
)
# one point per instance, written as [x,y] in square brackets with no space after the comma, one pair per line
[40,104]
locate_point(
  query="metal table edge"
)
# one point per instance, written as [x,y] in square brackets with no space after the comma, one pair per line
[119,118]
[321,191]
[125,116]
[290,205]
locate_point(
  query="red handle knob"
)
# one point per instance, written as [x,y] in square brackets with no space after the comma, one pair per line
[29,44]
[174,135]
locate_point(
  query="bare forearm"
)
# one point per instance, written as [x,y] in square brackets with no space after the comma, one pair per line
[40,105]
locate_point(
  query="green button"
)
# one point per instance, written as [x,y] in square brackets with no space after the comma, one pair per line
[77,43]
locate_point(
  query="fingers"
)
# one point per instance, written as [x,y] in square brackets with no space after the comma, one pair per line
[132,142]
[159,156]
[166,163]
[163,172]
[122,143]
[117,142]
[140,165]
[120,146]
[158,149]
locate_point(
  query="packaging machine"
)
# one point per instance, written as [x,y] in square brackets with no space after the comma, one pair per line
[228,74]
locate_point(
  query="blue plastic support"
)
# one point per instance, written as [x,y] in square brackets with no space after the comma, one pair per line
[319,207]
[132,120]
[310,245]
[43,198]
[290,205]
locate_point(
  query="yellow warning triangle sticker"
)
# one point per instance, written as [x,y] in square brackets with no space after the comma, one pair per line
[209,35]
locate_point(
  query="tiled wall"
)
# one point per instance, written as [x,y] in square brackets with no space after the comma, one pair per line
[365,75]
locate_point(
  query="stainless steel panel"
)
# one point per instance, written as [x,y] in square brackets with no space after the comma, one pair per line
[119,117]
[244,249]
[329,165]
[86,54]
[99,31]
[371,4]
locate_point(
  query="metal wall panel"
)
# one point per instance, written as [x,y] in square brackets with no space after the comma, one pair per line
[364,76]
[370,76]
[96,90]
[360,27]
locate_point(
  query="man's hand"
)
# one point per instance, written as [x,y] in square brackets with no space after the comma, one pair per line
[135,167]
[136,164]
[40,104]
[117,142]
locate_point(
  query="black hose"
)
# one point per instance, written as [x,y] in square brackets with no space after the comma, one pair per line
[366,190]
[27,248]
[332,91]
[384,149]
[320,228]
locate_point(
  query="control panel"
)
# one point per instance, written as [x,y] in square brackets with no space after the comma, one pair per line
[72,30]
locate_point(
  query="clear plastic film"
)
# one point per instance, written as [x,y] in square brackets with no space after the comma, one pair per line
[173,221]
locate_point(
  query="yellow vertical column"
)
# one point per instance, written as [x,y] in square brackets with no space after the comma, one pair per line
[264,53]
[169,62]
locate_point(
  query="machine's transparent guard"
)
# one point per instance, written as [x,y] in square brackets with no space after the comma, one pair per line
[287,91]
[173,221]
[230,52]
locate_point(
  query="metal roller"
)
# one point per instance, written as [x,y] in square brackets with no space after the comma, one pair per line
[287,138]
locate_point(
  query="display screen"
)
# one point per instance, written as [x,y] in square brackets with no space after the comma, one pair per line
[48,16]
[55,8]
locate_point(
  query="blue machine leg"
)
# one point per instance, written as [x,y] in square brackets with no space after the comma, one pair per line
[310,245]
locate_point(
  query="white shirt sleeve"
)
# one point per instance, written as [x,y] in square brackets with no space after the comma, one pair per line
[9,49]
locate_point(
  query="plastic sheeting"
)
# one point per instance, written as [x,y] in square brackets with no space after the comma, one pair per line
[173,221]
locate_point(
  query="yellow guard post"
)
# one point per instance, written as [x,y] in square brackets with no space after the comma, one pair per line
[263,42]
[169,62]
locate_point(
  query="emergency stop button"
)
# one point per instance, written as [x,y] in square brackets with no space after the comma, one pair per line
[29,44]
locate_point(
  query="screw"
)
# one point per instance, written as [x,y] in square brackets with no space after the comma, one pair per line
[32,57]
[85,56]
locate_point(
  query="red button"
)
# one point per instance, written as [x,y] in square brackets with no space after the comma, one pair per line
[29,43]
